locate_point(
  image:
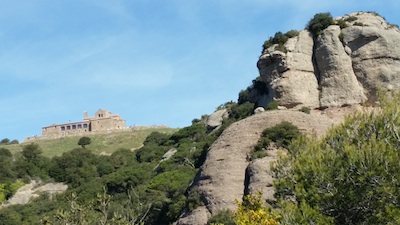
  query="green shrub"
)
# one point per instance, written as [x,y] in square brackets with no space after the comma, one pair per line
[352,175]
[358,24]
[280,39]
[194,200]
[320,22]
[281,48]
[242,111]
[342,24]
[305,109]
[351,19]
[224,217]
[292,33]
[272,106]
[83,141]
[244,96]
[282,134]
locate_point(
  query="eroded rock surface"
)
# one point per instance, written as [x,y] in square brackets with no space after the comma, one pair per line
[222,176]
[339,67]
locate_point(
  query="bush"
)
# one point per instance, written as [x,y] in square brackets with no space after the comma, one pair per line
[352,175]
[351,19]
[251,211]
[292,33]
[83,141]
[242,111]
[224,217]
[319,23]
[358,24]
[282,134]
[5,141]
[305,109]
[280,39]
[272,106]
[342,24]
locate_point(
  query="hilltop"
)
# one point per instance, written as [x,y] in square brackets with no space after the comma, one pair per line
[103,143]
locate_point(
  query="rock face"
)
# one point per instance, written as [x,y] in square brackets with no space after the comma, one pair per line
[343,66]
[290,76]
[32,190]
[339,85]
[223,174]
[339,67]
[215,120]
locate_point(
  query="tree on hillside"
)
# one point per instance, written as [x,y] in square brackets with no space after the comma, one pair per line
[320,22]
[5,141]
[83,141]
[349,177]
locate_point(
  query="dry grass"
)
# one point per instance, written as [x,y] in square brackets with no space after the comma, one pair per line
[101,143]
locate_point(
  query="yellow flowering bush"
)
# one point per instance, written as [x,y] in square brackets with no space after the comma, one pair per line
[251,211]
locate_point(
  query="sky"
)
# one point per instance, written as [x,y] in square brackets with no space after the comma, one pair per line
[153,62]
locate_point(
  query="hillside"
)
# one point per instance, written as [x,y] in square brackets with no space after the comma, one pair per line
[335,66]
[290,135]
[105,143]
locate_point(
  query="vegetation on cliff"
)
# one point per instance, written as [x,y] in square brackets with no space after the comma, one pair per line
[349,177]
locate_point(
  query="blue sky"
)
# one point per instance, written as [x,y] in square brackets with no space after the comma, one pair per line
[151,61]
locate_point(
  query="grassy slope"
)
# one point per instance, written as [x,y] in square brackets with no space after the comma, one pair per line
[101,143]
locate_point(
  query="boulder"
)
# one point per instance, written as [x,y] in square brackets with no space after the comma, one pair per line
[338,83]
[375,54]
[222,178]
[290,76]
[198,216]
[215,119]
[260,175]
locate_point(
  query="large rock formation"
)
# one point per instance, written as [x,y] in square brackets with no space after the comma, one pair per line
[222,178]
[339,67]
[343,66]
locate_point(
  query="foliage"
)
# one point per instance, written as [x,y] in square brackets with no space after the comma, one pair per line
[75,167]
[83,141]
[5,141]
[225,217]
[156,138]
[280,39]
[258,85]
[320,22]
[163,183]
[358,24]
[101,143]
[352,175]
[281,134]
[31,163]
[251,211]
[15,141]
[191,132]
[273,105]
[341,23]
[242,111]
[351,19]
[305,109]
[100,211]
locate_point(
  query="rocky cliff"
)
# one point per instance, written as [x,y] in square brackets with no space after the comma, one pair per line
[344,65]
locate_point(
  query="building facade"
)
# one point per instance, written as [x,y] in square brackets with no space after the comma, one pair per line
[102,121]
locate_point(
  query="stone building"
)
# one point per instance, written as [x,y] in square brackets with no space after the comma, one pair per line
[102,121]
